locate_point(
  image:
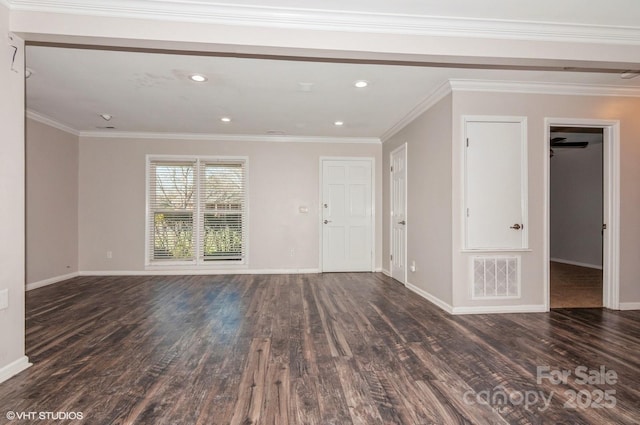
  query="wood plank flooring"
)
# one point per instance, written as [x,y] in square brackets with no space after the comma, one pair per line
[349,348]
[575,286]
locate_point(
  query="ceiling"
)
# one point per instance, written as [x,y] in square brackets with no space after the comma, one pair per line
[578,134]
[152,92]
[617,13]
[593,136]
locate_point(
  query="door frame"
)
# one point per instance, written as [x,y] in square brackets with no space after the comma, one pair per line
[372,163]
[610,202]
[406,214]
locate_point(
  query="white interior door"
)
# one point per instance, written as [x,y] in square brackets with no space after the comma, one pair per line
[347,216]
[496,184]
[399,214]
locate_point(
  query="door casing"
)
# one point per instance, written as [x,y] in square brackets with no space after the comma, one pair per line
[610,201]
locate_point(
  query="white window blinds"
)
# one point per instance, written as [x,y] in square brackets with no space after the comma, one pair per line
[172,209]
[197,211]
[222,205]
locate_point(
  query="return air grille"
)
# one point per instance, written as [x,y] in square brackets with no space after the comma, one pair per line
[496,277]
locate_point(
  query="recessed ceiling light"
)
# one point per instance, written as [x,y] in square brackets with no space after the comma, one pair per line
[198,78]
[361,84]
[338,123]
[225,119]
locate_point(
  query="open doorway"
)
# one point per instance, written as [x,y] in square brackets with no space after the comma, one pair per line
[576,194]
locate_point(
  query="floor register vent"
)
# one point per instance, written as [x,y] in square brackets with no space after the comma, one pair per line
[496,277]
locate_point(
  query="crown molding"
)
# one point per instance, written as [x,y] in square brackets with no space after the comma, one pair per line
[111,134]
[521,87]
[5,3]
[543,88]
[41,118]
[434,97]
[349,21]
[226,137]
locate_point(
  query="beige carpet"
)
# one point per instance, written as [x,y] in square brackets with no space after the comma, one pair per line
[575,286]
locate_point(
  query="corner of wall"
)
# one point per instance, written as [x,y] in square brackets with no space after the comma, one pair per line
[52,164]
[12,169]
[431,298]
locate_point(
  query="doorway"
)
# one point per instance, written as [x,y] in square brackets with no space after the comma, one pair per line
[347,214]
[576,216]
[582,207]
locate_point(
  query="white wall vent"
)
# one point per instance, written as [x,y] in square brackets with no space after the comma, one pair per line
[496,277]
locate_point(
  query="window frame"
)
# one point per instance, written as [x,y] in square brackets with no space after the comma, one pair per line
[198,261]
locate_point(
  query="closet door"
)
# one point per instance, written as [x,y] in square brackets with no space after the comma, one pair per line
[495,183]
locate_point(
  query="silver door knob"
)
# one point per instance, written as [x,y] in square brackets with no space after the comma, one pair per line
[402,222]
[327,221]
[516,226]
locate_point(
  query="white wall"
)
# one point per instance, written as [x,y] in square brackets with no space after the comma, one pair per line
[12,262]
[52,202]
[429,193]
[536,107]
[282,177]
[576,205]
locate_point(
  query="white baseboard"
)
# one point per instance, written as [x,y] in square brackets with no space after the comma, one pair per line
[476,310]
[432,299]
[14,368]
[386,272]
[533,308]
[195,272]
[57,279]
[576,263]
[629,306]
[50,281]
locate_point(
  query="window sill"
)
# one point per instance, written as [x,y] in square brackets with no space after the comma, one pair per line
[480,250]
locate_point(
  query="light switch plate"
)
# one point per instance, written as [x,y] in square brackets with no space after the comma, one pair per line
[4,299]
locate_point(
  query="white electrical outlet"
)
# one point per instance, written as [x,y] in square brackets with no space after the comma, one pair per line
[413,267]
[4,299]
[109,254]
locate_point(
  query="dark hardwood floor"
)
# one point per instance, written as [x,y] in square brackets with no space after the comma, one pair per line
[574,286]
[352,348]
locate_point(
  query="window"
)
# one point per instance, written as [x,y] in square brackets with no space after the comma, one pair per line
[196,211]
